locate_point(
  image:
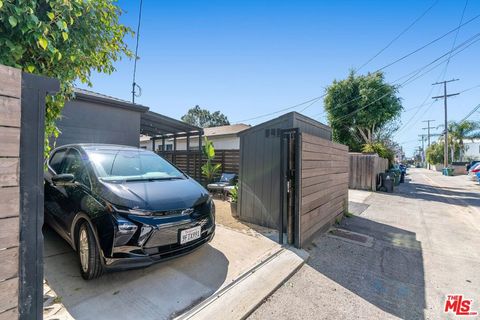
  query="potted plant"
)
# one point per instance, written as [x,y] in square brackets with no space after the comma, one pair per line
[209,169]
[234,200]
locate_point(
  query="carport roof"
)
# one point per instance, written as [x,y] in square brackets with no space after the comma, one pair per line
[156,125]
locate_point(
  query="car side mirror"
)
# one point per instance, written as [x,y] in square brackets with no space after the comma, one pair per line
[63,179]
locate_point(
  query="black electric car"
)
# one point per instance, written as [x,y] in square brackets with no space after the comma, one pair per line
[121,207]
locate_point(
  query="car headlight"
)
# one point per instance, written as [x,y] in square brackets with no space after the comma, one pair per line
[138,212]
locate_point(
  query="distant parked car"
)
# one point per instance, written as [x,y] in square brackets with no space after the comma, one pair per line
[472,173]
[471,164]
[122,207]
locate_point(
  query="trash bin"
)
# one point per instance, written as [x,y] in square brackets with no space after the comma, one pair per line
[387,182]
[447,171]
[395,175]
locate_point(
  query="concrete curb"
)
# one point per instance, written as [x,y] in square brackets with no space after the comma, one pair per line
[240,298]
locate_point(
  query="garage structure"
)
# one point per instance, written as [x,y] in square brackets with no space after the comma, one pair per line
[292,176]
[96,118]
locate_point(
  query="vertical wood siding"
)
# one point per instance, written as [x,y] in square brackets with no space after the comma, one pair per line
[323,184]
[10,112]
[364,170]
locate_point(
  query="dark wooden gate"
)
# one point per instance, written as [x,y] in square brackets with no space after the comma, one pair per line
[22,110]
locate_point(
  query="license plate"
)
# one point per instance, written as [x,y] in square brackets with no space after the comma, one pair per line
[190,234]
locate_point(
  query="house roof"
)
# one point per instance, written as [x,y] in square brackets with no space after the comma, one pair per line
[225,130]
[151,123]
[233,129]
[287,116]
[90,96]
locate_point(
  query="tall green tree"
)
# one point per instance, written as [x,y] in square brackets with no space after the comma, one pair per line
[63,39]
[434,153]
[362,109]
[205,119]
[458,133]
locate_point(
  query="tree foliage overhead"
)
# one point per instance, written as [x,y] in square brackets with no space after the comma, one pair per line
[203,118]
[362,109]
[63,39]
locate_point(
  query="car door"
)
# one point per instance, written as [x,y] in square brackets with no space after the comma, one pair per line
[55,196]
[70,198]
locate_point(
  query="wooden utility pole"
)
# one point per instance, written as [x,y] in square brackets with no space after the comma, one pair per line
[423,148]
[428,130]
[445,96]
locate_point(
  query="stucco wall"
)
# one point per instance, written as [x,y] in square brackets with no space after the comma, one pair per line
[472,150]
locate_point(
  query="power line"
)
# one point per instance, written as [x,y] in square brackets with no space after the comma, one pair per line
[282,110]
[455,39]
[471,88]
[438,79]
[409,80]
[426,45]
[470,113]
[398,36]
[411,53]
[405,125]
[415,76]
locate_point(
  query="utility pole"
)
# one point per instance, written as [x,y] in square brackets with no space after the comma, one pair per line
[428,130]
[423,148]
[445,96]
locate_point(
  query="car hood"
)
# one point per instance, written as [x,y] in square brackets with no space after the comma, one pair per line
[156,195]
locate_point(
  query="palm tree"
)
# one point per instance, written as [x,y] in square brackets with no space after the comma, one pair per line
[460,131]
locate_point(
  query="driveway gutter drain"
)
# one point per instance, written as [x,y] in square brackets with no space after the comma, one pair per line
[196,309]
[350,236]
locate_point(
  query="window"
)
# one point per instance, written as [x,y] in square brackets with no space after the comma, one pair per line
[56,160]
[74,165]
[119,165]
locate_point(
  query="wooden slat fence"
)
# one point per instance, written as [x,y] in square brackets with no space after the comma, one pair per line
[364,170]
[324,184]
[10,113]
[191,161]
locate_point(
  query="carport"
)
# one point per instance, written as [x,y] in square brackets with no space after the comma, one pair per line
[161,128]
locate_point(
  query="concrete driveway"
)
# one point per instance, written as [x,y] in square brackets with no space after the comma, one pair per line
[426,245]
[161,291]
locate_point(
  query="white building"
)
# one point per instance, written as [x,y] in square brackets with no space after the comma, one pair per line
[472,150]
[222,137]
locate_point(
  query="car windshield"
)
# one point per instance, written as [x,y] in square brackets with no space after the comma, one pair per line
[131,165]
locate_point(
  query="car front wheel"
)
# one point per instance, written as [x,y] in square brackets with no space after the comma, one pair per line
[88,253]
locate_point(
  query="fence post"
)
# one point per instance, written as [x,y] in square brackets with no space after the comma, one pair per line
[34,90]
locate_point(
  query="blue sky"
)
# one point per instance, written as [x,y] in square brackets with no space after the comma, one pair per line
[249,58]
